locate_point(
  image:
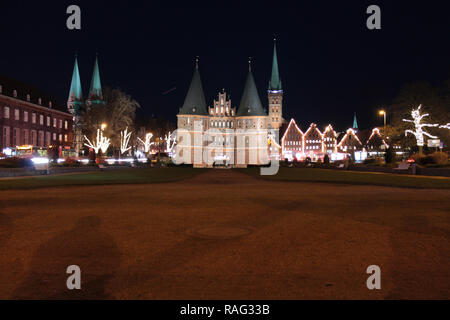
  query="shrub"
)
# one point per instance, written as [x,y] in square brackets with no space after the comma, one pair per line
[374,161]
[440,158]
[326,159]
[15,162]
[436,158]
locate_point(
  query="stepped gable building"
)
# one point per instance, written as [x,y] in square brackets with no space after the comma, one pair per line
[315,144]
[329,140]
[292,141]
[223,134]
[76,103]
[27,117]
[375,142]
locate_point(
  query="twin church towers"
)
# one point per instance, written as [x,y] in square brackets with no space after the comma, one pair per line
[234,125]
[76,103]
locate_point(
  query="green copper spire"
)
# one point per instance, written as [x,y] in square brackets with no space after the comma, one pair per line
[195,102]
[95,92]
[75,100]
[250,103]
[275,81]
[75,93]
[355,123]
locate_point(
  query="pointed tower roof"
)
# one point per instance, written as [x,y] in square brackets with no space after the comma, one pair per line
[275,81]
[95,91]
[250,103]
[355,122]
[195,102]
[75,93]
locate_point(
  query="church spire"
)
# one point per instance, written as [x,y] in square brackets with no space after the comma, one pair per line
[355,122]
[275,81]
[95,91]
[250,103]
[195,102]
[75,94]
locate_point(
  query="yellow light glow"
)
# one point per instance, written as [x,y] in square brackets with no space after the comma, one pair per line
[382,112]
[103,126]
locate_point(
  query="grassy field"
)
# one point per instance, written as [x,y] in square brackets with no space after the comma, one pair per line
[227,236]
[158,175]
[353,177]
[124,176]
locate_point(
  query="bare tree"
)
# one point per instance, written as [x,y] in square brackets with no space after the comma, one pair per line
[117,112]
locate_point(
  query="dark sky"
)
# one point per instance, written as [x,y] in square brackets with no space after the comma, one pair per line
[331,65]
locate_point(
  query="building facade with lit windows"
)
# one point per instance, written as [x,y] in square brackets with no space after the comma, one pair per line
[26,120]
[225,134]
[292,141]
[313,141]
[315,144]
[376,143]
[350,142]
[329,138]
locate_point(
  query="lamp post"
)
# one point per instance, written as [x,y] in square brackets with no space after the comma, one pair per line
[383,113]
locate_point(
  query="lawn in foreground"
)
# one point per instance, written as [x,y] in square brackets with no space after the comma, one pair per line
[353,177]
[119,176]
[304,240]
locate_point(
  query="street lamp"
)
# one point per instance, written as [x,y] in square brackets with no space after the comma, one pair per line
[103,126]
[383,113]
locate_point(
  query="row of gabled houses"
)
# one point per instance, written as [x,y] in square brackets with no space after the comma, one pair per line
[315,144]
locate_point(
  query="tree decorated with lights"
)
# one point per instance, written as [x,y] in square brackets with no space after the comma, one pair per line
[419,133]
[125,140]
[170,141]
[147,143]
[101,142]
[445,126]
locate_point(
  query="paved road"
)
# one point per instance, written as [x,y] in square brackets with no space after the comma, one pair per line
[225,235]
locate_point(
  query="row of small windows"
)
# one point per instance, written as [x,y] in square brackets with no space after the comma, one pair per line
[229,124]
[297,143]
[33,137]
[227,111]
[220,139]
[56,122]
[221,124]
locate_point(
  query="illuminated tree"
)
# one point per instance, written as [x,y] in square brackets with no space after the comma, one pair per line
[125,140]
[419,133]
[147,143]
[170,141]
[101,143]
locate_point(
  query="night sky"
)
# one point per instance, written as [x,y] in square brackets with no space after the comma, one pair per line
[331,65]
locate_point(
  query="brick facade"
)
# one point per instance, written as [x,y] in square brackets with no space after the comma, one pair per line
[26,123]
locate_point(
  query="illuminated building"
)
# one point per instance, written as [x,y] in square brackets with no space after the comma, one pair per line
[225,134]
[29,118]
[376,141]
[292,142]
[313,140]
[329,140]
